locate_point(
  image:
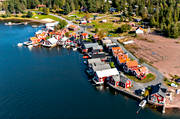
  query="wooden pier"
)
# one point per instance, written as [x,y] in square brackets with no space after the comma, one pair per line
[126,92]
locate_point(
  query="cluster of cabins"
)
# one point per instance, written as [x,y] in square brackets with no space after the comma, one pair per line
[99,68]
[49,37]
[129,66]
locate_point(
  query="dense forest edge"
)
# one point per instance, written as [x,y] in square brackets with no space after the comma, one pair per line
[164,15]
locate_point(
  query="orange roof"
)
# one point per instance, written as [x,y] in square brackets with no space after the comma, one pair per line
[41,5]
[116,48]
[117,51]
[123,58]
[73,26]
[95,36]
[84,34]
[33,38]
[140,28]
[131,64]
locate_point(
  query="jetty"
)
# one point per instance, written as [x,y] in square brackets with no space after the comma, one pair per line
[124,91]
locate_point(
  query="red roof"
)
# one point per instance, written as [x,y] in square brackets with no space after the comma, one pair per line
[41,6]
[84,34]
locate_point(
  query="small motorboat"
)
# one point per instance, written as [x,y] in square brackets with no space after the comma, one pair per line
[34,26]
[20,44]
[142,104]
[35,45]
[27,43]
[74,49]
[8,24]
[30,46]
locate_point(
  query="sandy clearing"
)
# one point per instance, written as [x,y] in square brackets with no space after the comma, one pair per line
[163,53]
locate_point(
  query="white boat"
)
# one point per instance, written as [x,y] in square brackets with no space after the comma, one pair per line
[30,46]
[74,49]
[64,46]
[27,43]
[8,24]
[35,45]
[97,82]
[142,104]
[20,44]
[34,26]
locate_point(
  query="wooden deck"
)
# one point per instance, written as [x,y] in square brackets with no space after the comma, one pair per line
[126,92]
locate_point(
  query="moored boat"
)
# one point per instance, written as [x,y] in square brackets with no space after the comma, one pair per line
[20,44]
[27,43]
[52,42]
[97,82]
[142,104]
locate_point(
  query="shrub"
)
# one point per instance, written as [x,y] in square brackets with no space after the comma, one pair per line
[46,11]
[29,14]
[62,24]
[123,28]
[112,64]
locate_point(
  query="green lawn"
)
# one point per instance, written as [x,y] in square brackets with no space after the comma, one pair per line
[107,27]
[45,16]
[150,77]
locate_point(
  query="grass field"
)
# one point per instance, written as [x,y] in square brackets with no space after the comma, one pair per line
[150,77]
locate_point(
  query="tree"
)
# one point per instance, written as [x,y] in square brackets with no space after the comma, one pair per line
[106,7]
[91,5]
[67,8]
[101,34]
[174,31]
[62,24]
[46,11]
[121,18]
[152,21]
[29,14]
[123,28]
[96,30]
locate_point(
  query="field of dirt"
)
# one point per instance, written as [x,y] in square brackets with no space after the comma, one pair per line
[161,52]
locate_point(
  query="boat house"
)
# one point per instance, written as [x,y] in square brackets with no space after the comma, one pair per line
[50,42]
[120,81]
[100,76]
[92,47]
[158,95]
[139,30]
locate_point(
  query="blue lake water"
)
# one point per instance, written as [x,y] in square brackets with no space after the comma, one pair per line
[51,84]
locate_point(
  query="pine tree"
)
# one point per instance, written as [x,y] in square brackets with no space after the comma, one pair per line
[67,8]
[106,7]
[152,21]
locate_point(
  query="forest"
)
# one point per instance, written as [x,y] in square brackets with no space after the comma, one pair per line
[161,14]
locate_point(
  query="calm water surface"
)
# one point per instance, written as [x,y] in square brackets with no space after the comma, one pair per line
[51,84]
